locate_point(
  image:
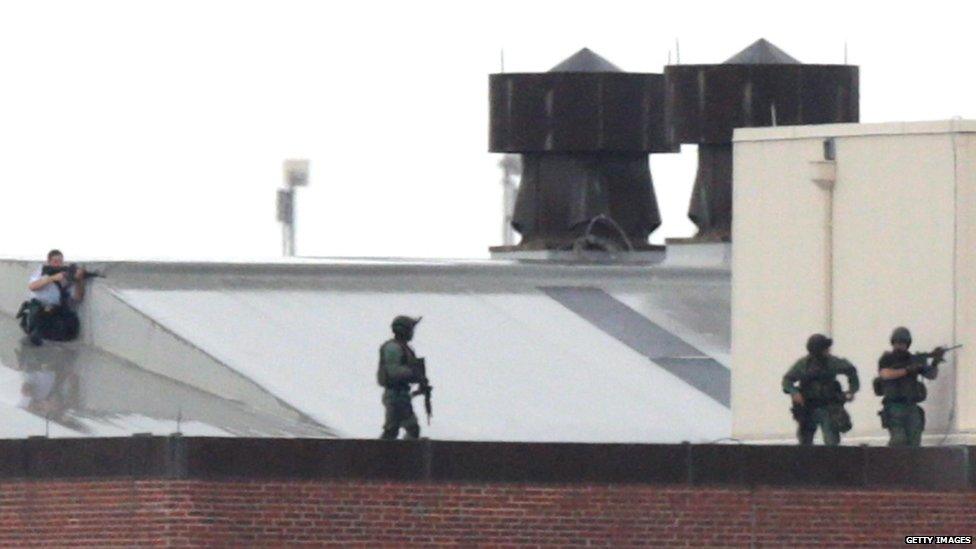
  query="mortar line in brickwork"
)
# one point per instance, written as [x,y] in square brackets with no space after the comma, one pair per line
[753,521]
[428,455]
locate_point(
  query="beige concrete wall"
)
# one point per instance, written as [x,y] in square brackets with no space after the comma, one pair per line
[778,277]
[884,248]
[893,258]
[965,147]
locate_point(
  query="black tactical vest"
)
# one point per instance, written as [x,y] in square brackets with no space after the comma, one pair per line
[819,384]
[907,389]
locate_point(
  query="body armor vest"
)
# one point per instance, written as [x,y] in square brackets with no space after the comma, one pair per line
[907,389]
[819,385]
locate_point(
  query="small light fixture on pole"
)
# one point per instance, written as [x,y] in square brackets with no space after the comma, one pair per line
[295,175]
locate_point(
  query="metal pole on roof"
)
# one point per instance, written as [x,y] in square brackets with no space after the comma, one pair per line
[286,216]
[511,165]
[295,175]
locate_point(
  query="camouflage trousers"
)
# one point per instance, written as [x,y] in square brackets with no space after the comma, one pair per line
[904,422]
[813,418]
[399,414]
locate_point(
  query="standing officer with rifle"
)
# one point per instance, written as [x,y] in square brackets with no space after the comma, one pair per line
[898,383]
[399,367]
[817,396]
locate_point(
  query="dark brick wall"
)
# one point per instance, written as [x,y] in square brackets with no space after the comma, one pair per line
[182,513]
[182,492]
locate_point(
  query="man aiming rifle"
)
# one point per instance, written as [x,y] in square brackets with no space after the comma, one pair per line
[899,384]
[55,291]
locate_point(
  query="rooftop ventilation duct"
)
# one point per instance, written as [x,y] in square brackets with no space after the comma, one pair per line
[760,86]
[584,130]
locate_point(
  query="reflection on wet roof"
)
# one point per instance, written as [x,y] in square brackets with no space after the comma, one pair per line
[77,390]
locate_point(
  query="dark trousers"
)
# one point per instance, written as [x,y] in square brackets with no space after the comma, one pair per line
[817,417]
[905,423]
[46,322]
[399,414]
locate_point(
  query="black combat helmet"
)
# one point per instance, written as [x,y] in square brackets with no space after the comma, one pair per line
[403,325]
[818,343]
[901,335]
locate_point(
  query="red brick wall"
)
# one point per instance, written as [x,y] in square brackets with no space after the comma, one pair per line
[188,512]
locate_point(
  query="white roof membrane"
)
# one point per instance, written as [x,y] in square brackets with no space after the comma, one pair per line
[506,359]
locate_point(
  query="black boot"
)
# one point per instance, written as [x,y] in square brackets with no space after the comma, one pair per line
[33,324]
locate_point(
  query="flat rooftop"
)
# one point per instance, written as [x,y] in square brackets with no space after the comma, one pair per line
[517,351]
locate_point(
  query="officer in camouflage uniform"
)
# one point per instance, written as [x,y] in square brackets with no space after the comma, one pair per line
[817,396]
[395,374]
[898,383]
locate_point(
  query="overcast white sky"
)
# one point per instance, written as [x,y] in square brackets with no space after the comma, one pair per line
[157,129]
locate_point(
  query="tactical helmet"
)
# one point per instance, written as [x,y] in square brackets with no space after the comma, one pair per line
[404,324]
[902,335]
[818,343]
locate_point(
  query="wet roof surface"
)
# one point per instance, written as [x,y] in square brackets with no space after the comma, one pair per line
[508,360]
[72,389]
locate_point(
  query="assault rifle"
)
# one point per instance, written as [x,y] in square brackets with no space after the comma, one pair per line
[419,367]
[71,270]
[938,353]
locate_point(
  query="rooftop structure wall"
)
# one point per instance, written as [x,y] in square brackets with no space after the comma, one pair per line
[881,236]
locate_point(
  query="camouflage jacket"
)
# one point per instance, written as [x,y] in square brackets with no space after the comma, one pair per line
[394,372]
[817,382]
